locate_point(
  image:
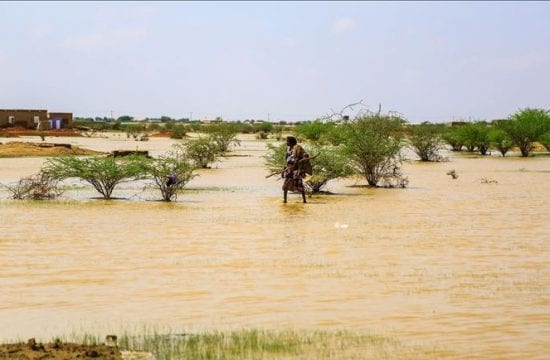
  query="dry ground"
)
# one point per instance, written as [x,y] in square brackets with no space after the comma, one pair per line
[17,149]
[58,351]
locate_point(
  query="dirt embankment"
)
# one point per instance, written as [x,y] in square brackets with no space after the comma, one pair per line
[163,133]
[20,149]
[17,132]
[58,350]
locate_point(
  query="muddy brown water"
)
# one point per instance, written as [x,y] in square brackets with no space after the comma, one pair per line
[457,264]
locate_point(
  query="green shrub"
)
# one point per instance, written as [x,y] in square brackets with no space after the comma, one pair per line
[526,126]
[197,126]
[224,135]
[425,140]
[202,151]
[133,130]
[373,145]
[452,137]
[246,128]
[170,173]
[103,173]
[153,127]
[544,139]
[330,163]
[275,158]
[467,135]
[169,125]
[266,127]
[500,140]
[471,135]
[178,132]
[481,139]
[316,131]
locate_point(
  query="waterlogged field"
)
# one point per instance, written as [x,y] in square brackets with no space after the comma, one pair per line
[459,268]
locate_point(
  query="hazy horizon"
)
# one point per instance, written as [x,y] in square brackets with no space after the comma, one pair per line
[430,61]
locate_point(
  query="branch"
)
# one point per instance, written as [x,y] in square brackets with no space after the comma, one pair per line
[339,116]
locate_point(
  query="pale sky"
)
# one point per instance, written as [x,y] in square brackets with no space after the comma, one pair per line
[430,61]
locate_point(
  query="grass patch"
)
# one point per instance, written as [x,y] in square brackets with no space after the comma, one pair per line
[265,344]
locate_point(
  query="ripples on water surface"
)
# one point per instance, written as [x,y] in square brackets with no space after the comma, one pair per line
[452,263]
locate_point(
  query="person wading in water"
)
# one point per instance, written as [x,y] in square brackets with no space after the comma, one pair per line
[297,166]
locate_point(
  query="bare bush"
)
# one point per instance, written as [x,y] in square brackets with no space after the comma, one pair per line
[35,187]
[452,173]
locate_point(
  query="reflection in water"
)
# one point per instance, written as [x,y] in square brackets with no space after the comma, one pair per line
[454,263]
[290,209]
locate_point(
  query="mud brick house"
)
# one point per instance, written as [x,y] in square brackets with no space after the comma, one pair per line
[60,120]
[30,118]
[22,118]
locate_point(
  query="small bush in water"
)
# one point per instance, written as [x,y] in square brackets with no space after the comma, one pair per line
[202,151]
[170,173]
[35,187]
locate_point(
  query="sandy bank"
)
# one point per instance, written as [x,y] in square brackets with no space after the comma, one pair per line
[20,149]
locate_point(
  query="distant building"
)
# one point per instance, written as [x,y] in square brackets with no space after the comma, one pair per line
[210,121]
[60,120]
[31,118]
[456,123]
[22,118]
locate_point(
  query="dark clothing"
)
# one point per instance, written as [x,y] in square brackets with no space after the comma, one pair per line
[172,179]
[293,174]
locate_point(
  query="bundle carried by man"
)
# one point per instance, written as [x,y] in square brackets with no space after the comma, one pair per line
[303,166]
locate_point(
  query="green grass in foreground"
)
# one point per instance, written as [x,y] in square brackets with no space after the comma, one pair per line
[267,344]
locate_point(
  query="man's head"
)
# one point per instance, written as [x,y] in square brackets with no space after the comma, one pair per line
[291,141]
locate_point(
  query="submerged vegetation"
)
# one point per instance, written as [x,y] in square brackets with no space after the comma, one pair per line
[103,173]
[202,151]
[170,173]
[224,135]
[370,145]
[522,130]
[38,186]
[452,173]
[526,127]
[500,140]
[426,141]
[330,164]
[373,146]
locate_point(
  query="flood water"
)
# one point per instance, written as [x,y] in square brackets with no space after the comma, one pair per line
[461,265]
